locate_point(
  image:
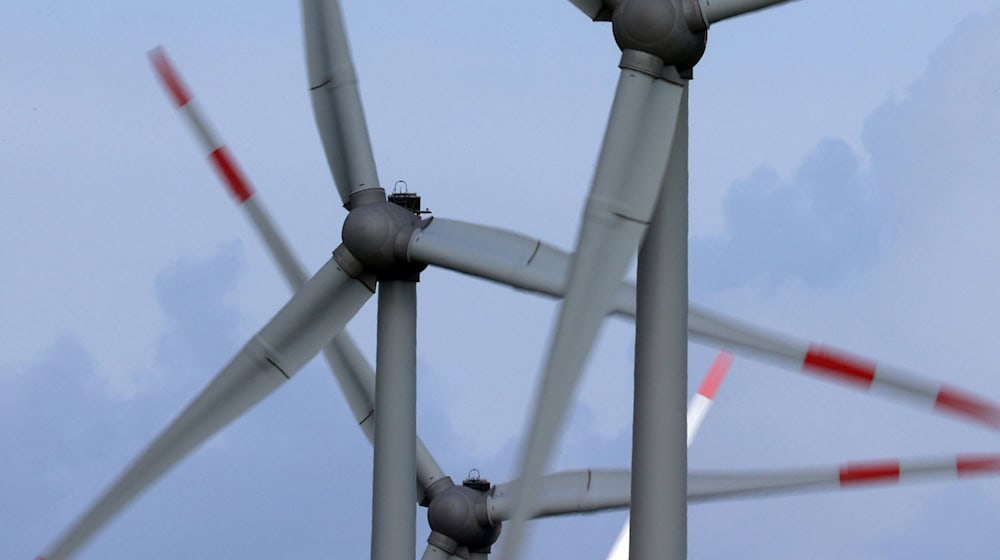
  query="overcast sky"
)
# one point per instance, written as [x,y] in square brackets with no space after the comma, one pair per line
[843,189]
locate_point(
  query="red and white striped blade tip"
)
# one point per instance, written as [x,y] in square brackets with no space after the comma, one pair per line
[866,374]
[716,373]
[874,472]
[171,80]
[218,153]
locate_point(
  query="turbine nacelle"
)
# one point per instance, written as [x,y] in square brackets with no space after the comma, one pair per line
[378,231]
[661,28]
[459,518]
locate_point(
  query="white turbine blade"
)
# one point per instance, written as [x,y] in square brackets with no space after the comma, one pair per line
[344,356]
[589,490]
[701,402]
[563,493]
[627,181]
[722,485]
[296,334]
[336,101]
[839,366]
[698,408]
[228,170]
[352,371]
[502,256]
[619,550]
[434,553]
[717,10]
[592,8]
[529,264]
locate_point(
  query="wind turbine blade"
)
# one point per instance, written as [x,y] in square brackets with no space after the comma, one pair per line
[394,516]
[352,371]
[723,485]
[698,408]
[619,549]
[296,334]
[530,264]
[628,178]
[717,10]
[562,493]
[336,101]
[218,154]
[701,402]
[434,553]
[839,366]
[344,356]
[594,9]
[502,256]
[225,165]
[591,490]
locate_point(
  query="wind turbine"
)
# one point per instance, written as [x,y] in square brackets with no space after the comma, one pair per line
[640,183]
[390,246]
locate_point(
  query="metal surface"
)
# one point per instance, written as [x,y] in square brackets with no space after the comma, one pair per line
[717,10]
[503,256]
[458,516]
[659,28]
[336,102]
[564,492]
[659,427]
[394,513]
[377,232]
[434,553]
[294,336]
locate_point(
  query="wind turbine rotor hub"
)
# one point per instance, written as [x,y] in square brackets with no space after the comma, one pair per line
[460,514]
[377,233]
[661,28]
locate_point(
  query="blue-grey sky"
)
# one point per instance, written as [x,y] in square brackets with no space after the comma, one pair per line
[843,188]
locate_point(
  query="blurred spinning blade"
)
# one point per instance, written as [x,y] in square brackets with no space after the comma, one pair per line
[627,181]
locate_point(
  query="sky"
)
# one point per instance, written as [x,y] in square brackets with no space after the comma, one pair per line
[843,178]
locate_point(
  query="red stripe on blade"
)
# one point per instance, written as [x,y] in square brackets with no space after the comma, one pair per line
[967,465]
[968,405]
[710,385]
[837,364]
[226,167]
[867,473]
[170,78]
